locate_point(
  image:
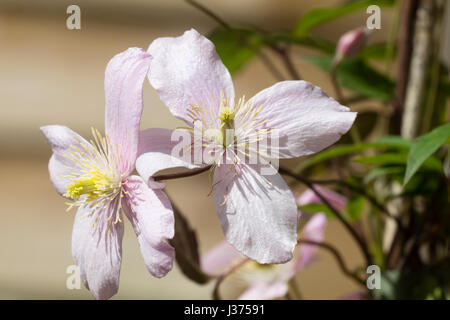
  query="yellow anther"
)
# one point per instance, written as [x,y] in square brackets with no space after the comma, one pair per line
[226,115]
[94,184]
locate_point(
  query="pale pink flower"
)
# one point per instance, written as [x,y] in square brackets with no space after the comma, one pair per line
[258,212]
[266,281]
[96,177]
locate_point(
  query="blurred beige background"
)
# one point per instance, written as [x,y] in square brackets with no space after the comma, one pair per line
[51,75]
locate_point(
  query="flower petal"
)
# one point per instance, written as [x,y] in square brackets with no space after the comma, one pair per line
[152,218]
[124,78]
[303,116]
[157,151]
[62,139]
[258,214]
[98,253]
[265,291]
[314,230]
[187,70]
[335,199]
[220,258]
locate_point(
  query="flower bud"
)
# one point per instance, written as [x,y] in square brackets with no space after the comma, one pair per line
[351,43]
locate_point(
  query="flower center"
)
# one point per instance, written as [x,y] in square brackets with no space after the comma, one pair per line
[95,181]
[236,128]
[93,184]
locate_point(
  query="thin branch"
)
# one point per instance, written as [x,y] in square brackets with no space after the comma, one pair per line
[209,13]
[423,34]
[338,258]
[362,192]
[171,176]
[404,48]
[362,244]
[335,83]
[216,293]
[269,65]
[285,57]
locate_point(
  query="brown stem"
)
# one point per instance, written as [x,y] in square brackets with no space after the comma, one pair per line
[423,35]
[404,48]
[209,13]
[171,176]
[216,294]
[338,258]
[335,83]
[362,192]
[361,242]
[287,61]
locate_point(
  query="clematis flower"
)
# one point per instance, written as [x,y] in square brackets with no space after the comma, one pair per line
[266,281]
[96,177]
[257,210]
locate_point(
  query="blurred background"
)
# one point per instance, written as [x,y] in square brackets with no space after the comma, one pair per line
[52,75]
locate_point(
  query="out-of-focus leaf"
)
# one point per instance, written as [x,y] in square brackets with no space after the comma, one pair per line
[387,142]
[376,51]
[425,283]
[318,43]
[395,141]
[382,171]
[358,76]
[236,46]
[355,207]
[423,148]
[317,17]
[388,159]
[186,250]
[317,207]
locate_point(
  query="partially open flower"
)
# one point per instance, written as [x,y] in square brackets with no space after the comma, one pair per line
[351,43]
[266,281]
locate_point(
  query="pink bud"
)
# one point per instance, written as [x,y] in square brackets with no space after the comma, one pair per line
[351,43]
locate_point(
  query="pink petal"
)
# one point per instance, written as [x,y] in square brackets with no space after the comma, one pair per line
[152,218]
[98,253]
[61,140]
[306,119]
[258,214]
[187,70]
[336,200]
[124,78]
[220,258]
[351,43]
[265,291]
[314,230]
[156,151]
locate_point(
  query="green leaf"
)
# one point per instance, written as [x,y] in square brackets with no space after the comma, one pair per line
[382,171]
[317,17]
[395,141]
[376,51]
[236,46]
[186,247]
[399,159]
[317,207]
[387,142]
[317,43]
[358,76]
[355,207]
[423,148]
